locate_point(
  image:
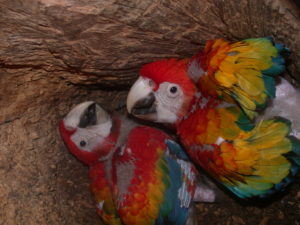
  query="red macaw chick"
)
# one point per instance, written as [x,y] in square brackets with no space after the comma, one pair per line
[211,101]
[139,174]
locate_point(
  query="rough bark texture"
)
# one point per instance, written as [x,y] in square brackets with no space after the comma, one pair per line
[57,53]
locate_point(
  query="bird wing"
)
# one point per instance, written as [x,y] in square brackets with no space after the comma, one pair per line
[255,161]
[158,189]
[103,193]
[241,72]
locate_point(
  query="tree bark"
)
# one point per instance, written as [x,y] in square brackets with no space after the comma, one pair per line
[57,53]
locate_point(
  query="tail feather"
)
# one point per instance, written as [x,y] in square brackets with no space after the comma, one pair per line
[269,84]
[243,70]
[278,65]
[294,155]
[266,159]
[260,86]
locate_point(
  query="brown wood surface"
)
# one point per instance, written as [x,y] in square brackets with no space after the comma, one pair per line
[57,53]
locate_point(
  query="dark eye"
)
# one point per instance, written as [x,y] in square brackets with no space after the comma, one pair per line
[173,89]
[82,143]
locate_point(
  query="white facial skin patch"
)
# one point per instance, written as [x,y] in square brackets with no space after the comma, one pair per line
[89,137]
[92,136]
[168,103]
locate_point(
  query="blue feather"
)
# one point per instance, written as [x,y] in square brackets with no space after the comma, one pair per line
[293,156]
[278,65]
[176,149]
[270,85]
[176,215]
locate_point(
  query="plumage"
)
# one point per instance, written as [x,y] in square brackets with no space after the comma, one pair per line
[156,191]
[243,71]
[243,155]
[90,147]
[215,97]
[101,188]
[139,175]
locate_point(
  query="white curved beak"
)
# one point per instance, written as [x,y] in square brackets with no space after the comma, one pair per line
[139,90]
[71,120]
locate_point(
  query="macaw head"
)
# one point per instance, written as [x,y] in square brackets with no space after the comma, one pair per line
[163,93]
[87,132]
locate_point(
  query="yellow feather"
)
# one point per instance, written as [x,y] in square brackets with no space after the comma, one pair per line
[250,81]
[227,65]
[244,99]
[253,63]
[145,209]
[230,130]
[225,79]
[273,171]
[257,184]
[268,133]
[260,153]
[237,69]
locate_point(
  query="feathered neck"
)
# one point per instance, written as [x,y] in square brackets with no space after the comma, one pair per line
[198,103]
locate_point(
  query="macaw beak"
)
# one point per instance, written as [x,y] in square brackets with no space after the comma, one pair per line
[141,100]
[84,115]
